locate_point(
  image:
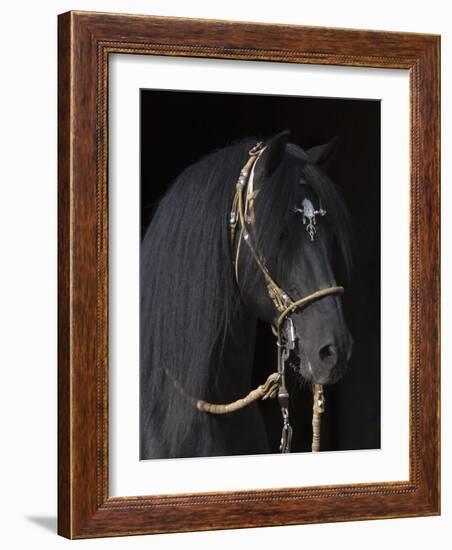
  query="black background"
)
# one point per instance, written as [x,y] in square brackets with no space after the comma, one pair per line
[178,128]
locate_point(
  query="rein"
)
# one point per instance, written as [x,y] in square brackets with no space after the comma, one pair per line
[242,216]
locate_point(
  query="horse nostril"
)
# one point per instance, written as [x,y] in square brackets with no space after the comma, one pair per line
[328,354]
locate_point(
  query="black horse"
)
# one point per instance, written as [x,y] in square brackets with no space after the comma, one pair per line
[199,324]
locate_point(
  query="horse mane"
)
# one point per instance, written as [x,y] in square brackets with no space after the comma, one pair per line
[189,300]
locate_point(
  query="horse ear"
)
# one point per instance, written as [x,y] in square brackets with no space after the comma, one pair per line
[275,148]
[323,154]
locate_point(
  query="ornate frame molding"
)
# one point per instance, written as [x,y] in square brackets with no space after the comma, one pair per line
[85,42]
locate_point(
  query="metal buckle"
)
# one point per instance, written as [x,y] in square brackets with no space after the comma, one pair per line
[289,336]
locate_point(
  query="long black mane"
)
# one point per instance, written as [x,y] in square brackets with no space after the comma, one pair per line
[189,298]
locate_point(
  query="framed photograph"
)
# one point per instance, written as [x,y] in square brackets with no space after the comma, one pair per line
[248,275]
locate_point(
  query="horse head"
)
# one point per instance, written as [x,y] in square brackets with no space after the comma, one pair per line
[295,218]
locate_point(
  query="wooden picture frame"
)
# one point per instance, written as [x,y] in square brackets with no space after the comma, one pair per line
[85,42]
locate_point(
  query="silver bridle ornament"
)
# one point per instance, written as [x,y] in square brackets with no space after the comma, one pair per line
[309,216]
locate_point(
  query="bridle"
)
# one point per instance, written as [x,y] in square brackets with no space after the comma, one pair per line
[242,218]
